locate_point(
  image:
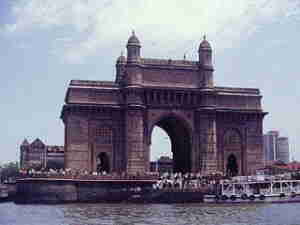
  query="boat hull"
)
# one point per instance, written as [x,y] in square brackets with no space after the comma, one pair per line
[255,199]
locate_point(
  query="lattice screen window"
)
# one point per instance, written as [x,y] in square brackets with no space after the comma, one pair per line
[104,135]
[232,137]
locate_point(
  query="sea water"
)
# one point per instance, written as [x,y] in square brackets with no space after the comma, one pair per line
[144,214]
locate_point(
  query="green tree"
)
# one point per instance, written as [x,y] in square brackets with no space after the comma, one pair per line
[9,170]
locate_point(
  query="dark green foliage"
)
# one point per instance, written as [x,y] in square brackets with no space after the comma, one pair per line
[9,171]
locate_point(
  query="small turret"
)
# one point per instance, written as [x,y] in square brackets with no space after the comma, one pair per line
[121,59]
[133,49]
[25,142]
[120,68]
[205,64]
[205,53]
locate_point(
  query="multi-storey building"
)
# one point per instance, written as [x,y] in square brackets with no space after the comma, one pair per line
[275,148]
[270,145]
[38,155]
[283,149]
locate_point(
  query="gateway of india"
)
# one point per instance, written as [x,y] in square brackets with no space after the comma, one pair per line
[108,125]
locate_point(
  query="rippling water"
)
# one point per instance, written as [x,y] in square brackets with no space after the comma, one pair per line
[162,214]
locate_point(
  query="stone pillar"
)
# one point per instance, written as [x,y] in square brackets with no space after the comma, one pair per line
[169,97]
[207,140]
[135,140]
[155,97]
[253,147]
[147,155]
[76,142]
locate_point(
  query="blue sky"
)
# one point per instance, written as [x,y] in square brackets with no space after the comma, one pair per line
[45,44]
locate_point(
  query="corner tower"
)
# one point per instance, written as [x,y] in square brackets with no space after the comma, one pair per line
[133,74]
[205,63]
[133,49]
[120,69]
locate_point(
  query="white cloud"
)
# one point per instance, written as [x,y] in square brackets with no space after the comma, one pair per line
[165,26]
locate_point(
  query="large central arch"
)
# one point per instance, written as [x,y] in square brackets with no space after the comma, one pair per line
[181,143]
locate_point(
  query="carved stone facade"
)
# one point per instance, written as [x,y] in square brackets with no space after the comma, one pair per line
[210,127]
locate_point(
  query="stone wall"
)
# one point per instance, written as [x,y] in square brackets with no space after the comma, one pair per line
[93,96]
[77,142]
[240,134]
[91,132]
[38,190]
[171,78]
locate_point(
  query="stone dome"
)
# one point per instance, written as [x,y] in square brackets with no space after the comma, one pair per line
[204,44]
[133,40]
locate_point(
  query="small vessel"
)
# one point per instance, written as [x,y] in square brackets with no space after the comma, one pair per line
[262,190]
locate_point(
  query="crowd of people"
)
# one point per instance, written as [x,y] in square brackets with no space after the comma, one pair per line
[82,174]
[164,181]
[188,181]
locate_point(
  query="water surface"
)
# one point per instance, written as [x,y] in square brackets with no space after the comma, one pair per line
[142,214]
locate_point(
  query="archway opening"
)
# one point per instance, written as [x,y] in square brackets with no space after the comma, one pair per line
[174,142]
[161,157]
[103,163]
[232,166]
[233,163]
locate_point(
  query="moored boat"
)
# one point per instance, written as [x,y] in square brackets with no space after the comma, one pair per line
[256,191]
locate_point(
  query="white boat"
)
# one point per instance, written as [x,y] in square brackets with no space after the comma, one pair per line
[264,191]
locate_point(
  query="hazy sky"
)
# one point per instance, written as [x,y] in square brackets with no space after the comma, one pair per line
[46,43]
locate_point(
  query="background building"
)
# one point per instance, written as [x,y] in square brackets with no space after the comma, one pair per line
[270,145]
[162,165]
[283,149]
[38,155]
[275,148]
